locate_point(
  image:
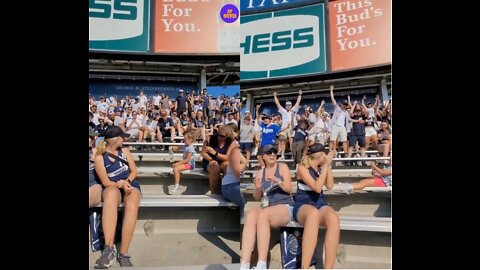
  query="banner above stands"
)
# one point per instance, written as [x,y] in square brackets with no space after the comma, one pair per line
[256,6]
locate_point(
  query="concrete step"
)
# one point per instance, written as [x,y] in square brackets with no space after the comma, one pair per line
[234,266]
[357,250]
[181,249]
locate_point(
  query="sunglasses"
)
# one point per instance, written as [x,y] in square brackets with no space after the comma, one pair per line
[270,152]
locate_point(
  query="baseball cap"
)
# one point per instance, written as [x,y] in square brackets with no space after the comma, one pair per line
[118,109]
[267,148]
[92,133]
[185,113]
[345,102]
[180,91]
[150,115]
[247,112]
[114,131]
[288,103]
[315,148]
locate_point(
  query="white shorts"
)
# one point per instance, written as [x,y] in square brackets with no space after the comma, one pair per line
[133,133]
[340,132]
[369,131]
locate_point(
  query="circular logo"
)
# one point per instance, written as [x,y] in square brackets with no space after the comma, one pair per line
[292,244]
[229,13]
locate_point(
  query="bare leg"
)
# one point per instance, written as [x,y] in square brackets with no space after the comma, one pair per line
[309,217]
[329,218]
[249,233]
[111,200]
[176,173]
[370,182]
[94,195]
[214,178]
[132,201]
[274,216]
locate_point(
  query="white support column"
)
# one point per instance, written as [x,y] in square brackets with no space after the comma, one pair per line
[203,79]
[383,91]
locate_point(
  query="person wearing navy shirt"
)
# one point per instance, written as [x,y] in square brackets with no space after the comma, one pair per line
[117,171]
[311,210]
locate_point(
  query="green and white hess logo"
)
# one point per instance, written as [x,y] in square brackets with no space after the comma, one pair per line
[115,19]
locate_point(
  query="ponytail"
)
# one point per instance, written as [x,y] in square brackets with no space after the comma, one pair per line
[101,148]
[305,161]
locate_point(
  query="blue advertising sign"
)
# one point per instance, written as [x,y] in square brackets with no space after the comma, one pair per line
[119,25]
[283,43]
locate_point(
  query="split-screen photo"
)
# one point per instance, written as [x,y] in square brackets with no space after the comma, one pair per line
[240,134]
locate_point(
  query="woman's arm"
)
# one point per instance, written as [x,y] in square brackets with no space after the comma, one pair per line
[131,164]
[204,153]
[102,172]
[286,184]
[224,157]
[257,191]
[329,183]
[234,160]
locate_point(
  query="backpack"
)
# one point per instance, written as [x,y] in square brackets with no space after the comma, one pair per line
[291,248]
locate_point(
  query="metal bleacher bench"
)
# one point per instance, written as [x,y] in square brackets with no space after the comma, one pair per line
[357,223]
[213,200]
[248,174]
[250,186]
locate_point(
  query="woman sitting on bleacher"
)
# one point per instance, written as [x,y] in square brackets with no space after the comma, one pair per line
[215,151]
[311,210]
[117,170]
[188,162]
[273,184]
[94,188]
[384,136]
[236,165]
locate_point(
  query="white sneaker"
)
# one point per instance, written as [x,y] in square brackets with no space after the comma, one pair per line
[344,188]
[170,150]
[261,265]
[254,153]
[175,191]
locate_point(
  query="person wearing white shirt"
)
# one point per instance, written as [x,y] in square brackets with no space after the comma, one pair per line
[340,124]
[156,101]
[133,127]
[230,119]
[288,115]
[142,99]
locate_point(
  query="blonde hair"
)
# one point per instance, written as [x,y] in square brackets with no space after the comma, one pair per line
[232,127]
[308,159]
[102,146]
[189,135]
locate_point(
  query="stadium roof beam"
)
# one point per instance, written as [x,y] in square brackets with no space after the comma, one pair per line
[226,76]
[317,82]
[144,71]
[269,94]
